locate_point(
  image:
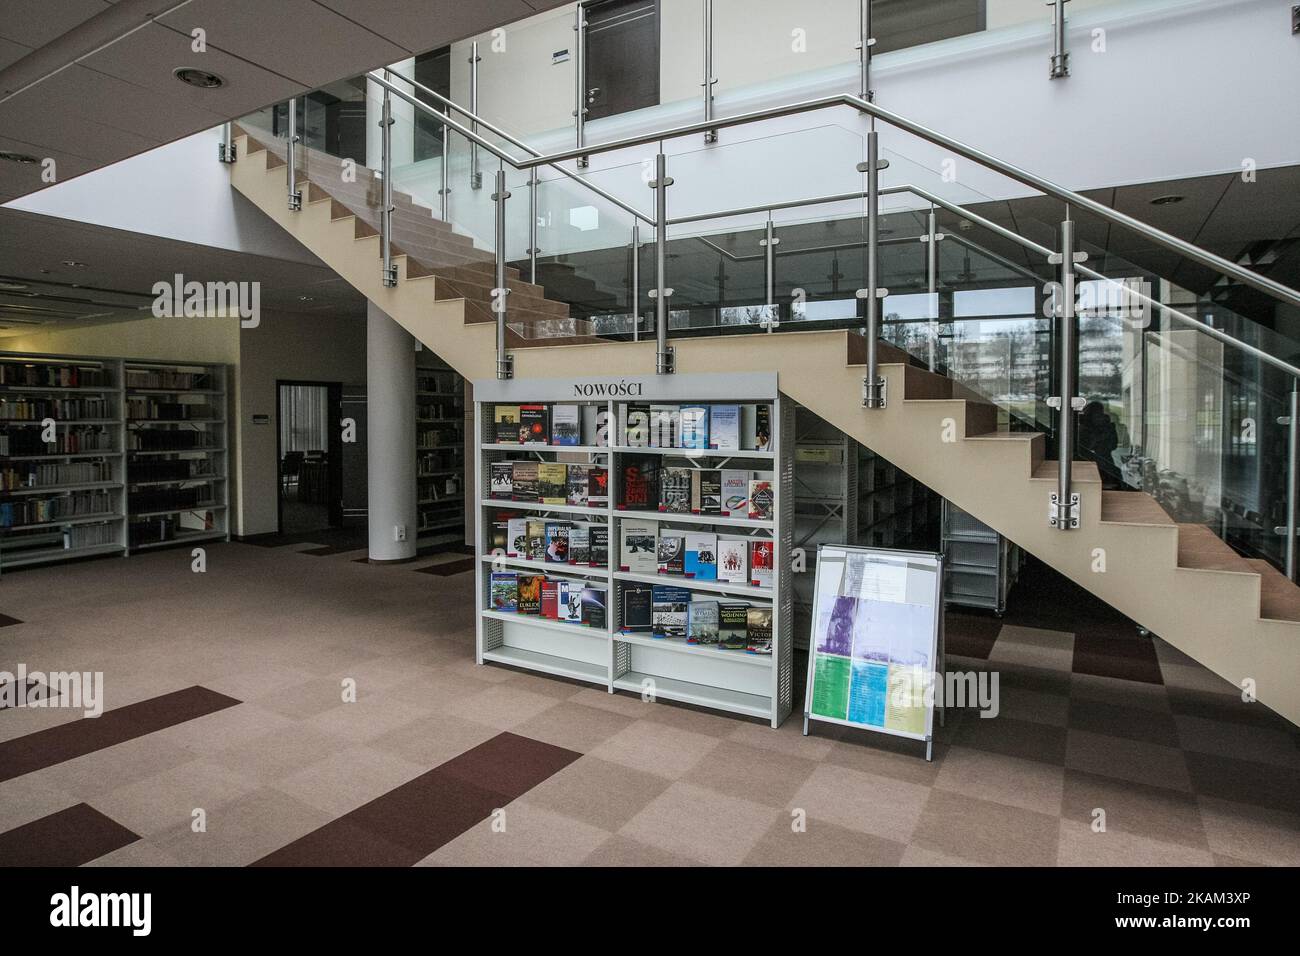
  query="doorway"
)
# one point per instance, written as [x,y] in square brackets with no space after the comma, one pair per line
[309,453]
[622,56]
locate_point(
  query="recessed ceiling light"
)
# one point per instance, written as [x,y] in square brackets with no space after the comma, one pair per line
[1167,200]
[18,157]
[200,78]
[73,263]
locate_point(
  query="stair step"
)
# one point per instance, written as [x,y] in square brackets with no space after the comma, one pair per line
[1202,549]
[1133,507]
[1081,471]
[1279,597]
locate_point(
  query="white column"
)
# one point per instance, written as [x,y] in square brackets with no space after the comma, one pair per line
[390,436]
[403,119]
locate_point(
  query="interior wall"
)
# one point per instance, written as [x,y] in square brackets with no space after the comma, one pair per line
[284,346]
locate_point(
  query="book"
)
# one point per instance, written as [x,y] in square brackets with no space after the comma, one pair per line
[529,595]
[706,491]
[568,602]
[552,482]
[504,590]
[549,590]
[733,560]
[675,490]
[501,481]
[694,427]
[735,492]
[640,486]
[637,549]
[517,538]
[499,531]
[592,612]
[702,622]
[761,554]
[758,624]
[523,481]
[733,626]
[671,554]
[597,486]
[598,543]
[635,425]
[701,555]
[576,485]
[665,426]
[505,424]
[536,540]
[595,425]
[534,425]
[669,611]
[580,544]
[557,542]
[756,427]
[761,497]
[637,607]
[566,426]
[724,427]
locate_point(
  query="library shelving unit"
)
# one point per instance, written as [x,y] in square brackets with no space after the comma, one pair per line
[177,453]
[981,564]
[735,681]
[825,503]
[894,509]
[440,453]
[63,498]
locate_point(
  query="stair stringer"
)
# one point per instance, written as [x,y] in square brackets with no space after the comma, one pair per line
[1212,616]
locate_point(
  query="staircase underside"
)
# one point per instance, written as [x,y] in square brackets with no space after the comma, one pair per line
[1239,618]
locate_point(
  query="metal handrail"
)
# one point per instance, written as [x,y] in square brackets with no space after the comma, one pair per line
[495,131]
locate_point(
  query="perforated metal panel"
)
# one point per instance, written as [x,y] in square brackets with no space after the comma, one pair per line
[783,637]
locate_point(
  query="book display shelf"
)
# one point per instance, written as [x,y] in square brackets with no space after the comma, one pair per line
[439,453]
[102,455]
[178,487]
[639,542]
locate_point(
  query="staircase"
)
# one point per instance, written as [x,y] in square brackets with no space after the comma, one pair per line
[1240,618]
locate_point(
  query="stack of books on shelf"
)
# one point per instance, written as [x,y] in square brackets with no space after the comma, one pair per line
[699,428]
[671,613]
[577,543]
[36,475]
[549,483]
[28,511]
[646,548]
[42,375]
[649,485]
[79,439]
[555,599]
[27,409]
[554,425]
[160,379]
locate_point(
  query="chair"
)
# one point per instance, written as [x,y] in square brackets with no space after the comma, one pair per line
[290,468]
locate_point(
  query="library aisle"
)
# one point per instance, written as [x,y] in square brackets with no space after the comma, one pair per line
[243,700]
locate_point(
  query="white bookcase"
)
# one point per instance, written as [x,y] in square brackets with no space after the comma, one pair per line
[755,685]
[105,446]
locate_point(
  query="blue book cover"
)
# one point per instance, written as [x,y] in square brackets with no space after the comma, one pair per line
[695,426]
[701,556]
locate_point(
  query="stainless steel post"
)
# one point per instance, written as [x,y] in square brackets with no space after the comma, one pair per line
[1064,513]
[532,226]
[1060,55]
[444,188]
[386,214]
[636,281]
[505,362]
[710,136]
[295,194]
[661,293]
[580,81]
[873,387]
[1292,470]
[865,43]
[932,284]
[226,151]
[475,174]
[769,268]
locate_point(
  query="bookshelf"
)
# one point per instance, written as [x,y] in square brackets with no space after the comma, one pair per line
[733,680]
[439,454]
[114,466]
[63,498]
[178,484]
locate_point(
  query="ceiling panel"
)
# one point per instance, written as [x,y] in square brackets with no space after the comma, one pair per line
[19,179]
[258,32]
[34,23]
[11,52]
[148,57]
[1268,208]
[418,27]
[58,120]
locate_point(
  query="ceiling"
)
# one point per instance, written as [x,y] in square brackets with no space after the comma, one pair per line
[117,270]
[89,82]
